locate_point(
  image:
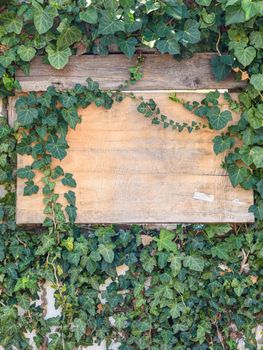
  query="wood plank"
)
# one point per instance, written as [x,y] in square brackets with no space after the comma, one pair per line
[129,171]
[161,72]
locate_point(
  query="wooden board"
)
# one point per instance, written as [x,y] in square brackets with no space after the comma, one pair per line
[129,171]
[161,72]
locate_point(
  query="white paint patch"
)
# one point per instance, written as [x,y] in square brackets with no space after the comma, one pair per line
[200,196]
[238,202]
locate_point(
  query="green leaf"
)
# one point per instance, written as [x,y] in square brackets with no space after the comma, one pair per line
[25,114]
[260,187]
[4,131]
[203,2]
[217,230]
[58,58]
[128,47]
[56,147]
[44,18]
[69,36]
[175,264]
[169,45]
[222,143]
[221,251]
[26,53]
[257,81]
[10,22]
[107,252]
[25,173]
[257,156]
[221,66]
[71,117]
[193,262]
[89,16]
[256,39]
[110,25]
[69,181]
[217,120]
[30,188]
[251,8]
[245,55]
[237,174]
[79,328]
[190,34]
[165,241]
[234,14]
[70,197]
[71,211]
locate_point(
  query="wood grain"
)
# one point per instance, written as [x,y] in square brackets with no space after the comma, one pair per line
[129,171]
[161,72]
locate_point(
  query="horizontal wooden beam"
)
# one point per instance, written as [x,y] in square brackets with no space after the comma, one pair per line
[160,72]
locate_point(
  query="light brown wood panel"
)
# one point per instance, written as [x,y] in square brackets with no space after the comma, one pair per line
[129,171]
[161,72]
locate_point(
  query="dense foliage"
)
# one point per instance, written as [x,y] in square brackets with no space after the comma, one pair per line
[196,288]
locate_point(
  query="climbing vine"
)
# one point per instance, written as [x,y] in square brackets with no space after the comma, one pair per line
[197,287]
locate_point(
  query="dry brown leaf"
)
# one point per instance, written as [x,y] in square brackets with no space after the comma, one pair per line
[81,48]
[99,308]
[253,279]
[236,69]
[146,240]
[244,75]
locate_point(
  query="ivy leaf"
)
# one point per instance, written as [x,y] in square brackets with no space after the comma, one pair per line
[251,8]
[69,36]
[25,173]
[237,174]
[44,18]
[257,156]
[234,14]
[222,143]
[79,328]
[257,81]
[30,188]
[71,211]
[71,117]
[221,66]
[56,147]
[58,58]
[165,241]
[89,16]
[191,34]
[107,252]
[175,264]
[221,251]
[260,187]
[128,47]
[25,114]
[219,120]
[26,53]
[170,45]
[109,25]
[11,22]
[68,180]
[193,262]
[70,197]
[4,131]
[245,55]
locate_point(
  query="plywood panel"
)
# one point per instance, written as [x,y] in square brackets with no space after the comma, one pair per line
[161,72]
[128,170]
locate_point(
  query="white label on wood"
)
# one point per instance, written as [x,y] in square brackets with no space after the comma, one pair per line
[129,171]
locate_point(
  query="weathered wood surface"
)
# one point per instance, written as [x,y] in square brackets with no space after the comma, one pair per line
[129,171]
[161,72]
